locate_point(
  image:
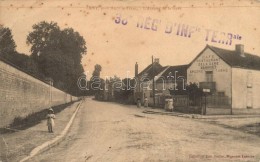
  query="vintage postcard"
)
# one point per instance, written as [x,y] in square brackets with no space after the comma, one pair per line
[129,80]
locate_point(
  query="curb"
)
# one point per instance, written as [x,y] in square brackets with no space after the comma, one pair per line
[225,116]
[198,116]
[161,113]
[47,145]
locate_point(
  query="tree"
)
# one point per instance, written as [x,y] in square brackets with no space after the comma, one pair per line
[72,44]
[124,92]
[58,54]
[9,53]
[45,36]
[97,70]
[30,66]
[195,93]
[7,44]
[95,80]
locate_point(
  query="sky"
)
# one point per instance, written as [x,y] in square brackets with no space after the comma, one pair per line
[120,33]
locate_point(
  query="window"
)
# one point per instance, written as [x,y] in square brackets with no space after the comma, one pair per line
[209,76]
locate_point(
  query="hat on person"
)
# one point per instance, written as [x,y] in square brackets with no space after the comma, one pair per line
[50,109]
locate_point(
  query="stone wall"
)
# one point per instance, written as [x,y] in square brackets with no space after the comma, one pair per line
[22,94]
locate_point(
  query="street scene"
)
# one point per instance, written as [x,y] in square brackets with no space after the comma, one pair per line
[129,81]
[115,132]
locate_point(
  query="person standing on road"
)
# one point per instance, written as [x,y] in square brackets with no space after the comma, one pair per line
[50,120]
[138,102]
[145,102]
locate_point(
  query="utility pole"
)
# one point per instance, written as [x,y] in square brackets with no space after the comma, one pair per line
[51,91]
[50,82]
[153,82]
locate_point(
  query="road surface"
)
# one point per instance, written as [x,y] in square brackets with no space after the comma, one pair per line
[104,131]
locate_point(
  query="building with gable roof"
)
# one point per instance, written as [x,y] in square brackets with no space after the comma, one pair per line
[144,77]
[231,78]
[166,79]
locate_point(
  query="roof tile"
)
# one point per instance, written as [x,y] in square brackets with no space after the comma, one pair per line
[250,61]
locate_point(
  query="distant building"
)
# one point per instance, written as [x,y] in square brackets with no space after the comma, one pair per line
[172,79]
[143,78]
[232,78]
[166,80]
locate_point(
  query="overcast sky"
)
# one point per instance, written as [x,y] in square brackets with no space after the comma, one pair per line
[116,47]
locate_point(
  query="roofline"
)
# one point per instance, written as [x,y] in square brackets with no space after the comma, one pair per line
[148,68]
[167,67]
[240,67]
[220,56]
[160,74]
[145,69]
[198,55]
[207,47]
[186,66]
[178,65]
[229,63]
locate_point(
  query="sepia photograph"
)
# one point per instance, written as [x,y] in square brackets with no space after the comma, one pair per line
[130,81]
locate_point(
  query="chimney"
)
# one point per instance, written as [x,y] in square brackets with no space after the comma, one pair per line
[136,69]
[240,50]
[157,60]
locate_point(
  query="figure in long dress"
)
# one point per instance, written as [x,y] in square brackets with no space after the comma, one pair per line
[50,120]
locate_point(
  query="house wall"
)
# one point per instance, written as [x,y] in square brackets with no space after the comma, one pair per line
[146,90]
[22,94]
[245,90]
[160,88]
[209,61]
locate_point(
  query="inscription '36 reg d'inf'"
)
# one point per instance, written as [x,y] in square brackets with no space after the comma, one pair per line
[179,29]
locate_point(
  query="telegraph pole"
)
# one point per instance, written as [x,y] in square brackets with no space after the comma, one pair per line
[153,82]
[51,85]
[50,82]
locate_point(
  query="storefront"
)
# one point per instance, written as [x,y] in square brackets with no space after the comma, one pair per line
[231,79]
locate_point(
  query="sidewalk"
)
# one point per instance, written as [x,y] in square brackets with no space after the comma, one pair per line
[15,146]
[161,111]
[245,123]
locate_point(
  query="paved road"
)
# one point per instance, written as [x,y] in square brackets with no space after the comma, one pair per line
[112,132]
